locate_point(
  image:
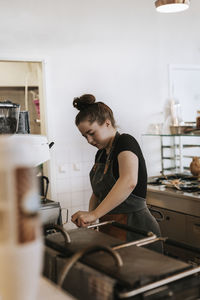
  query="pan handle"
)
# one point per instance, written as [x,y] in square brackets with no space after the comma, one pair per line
[64,233]
[89,250]
[100,224]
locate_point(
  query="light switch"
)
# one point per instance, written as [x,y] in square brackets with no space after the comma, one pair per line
[62,169]
[76,167]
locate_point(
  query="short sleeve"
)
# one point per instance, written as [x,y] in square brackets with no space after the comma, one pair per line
[127,142]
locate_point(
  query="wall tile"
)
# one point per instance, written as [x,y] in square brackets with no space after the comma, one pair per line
[76,183]
[63,185]
[76,199]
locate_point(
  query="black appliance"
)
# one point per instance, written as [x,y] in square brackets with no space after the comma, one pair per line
[93,265]
[9,117]
[24,123]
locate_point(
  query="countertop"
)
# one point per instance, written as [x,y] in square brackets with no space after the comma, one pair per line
[172,192]
[48,290]
[172,199]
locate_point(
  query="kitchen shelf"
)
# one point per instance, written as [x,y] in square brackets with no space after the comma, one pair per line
[191,146]
[170,135]
[174,148]
[23,95]
[166,157]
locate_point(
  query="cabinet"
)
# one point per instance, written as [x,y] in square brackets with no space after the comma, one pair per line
[177,151]
[178,226]
[172,224]
[178,215]
[193,230]
[22,82]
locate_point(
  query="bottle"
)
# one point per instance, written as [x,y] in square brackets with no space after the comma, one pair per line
[20,231]
[198,119]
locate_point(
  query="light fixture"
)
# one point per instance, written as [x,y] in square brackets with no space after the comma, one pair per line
[170,6]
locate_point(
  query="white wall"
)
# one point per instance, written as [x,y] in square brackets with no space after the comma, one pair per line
[117,50]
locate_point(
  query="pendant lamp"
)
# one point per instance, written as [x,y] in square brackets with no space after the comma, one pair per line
[170,6]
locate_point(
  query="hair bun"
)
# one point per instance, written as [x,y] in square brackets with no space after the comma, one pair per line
[84,101]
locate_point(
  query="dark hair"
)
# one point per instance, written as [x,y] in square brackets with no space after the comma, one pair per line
[92,111]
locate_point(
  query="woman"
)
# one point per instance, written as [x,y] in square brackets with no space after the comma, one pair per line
[118,177]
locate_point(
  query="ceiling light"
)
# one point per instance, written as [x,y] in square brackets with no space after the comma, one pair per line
[170,6]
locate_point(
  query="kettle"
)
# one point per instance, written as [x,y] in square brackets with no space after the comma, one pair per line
[43,186]
[195,166]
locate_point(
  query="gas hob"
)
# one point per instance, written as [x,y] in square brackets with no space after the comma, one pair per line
[179,181]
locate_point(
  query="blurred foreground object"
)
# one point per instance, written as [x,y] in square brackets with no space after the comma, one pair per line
[20,231]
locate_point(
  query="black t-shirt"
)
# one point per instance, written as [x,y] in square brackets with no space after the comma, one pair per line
[126,142]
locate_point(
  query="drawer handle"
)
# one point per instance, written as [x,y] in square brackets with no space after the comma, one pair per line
[158,212]
[198,225]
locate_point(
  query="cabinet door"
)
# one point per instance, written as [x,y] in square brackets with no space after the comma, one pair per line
[172,224]
[193,231]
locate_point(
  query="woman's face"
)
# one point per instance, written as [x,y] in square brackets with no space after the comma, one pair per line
[97,135]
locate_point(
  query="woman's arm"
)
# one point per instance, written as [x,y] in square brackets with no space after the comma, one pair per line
[128,176]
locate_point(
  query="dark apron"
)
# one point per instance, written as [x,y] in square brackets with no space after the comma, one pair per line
[133,211]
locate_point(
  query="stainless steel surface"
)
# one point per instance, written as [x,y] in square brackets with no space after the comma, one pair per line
[159,283]
[49,212]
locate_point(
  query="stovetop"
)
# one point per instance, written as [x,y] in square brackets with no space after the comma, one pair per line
[179,181]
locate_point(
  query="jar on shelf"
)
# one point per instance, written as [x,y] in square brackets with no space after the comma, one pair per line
[195,166]
[198,120]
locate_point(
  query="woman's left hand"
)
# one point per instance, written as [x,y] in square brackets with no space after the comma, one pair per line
[83,218]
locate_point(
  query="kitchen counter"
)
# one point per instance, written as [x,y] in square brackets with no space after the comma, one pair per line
[48,290]
[173,191]
[178,214]
[169,198]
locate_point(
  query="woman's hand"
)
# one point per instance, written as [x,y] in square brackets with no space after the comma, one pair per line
[83,218]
